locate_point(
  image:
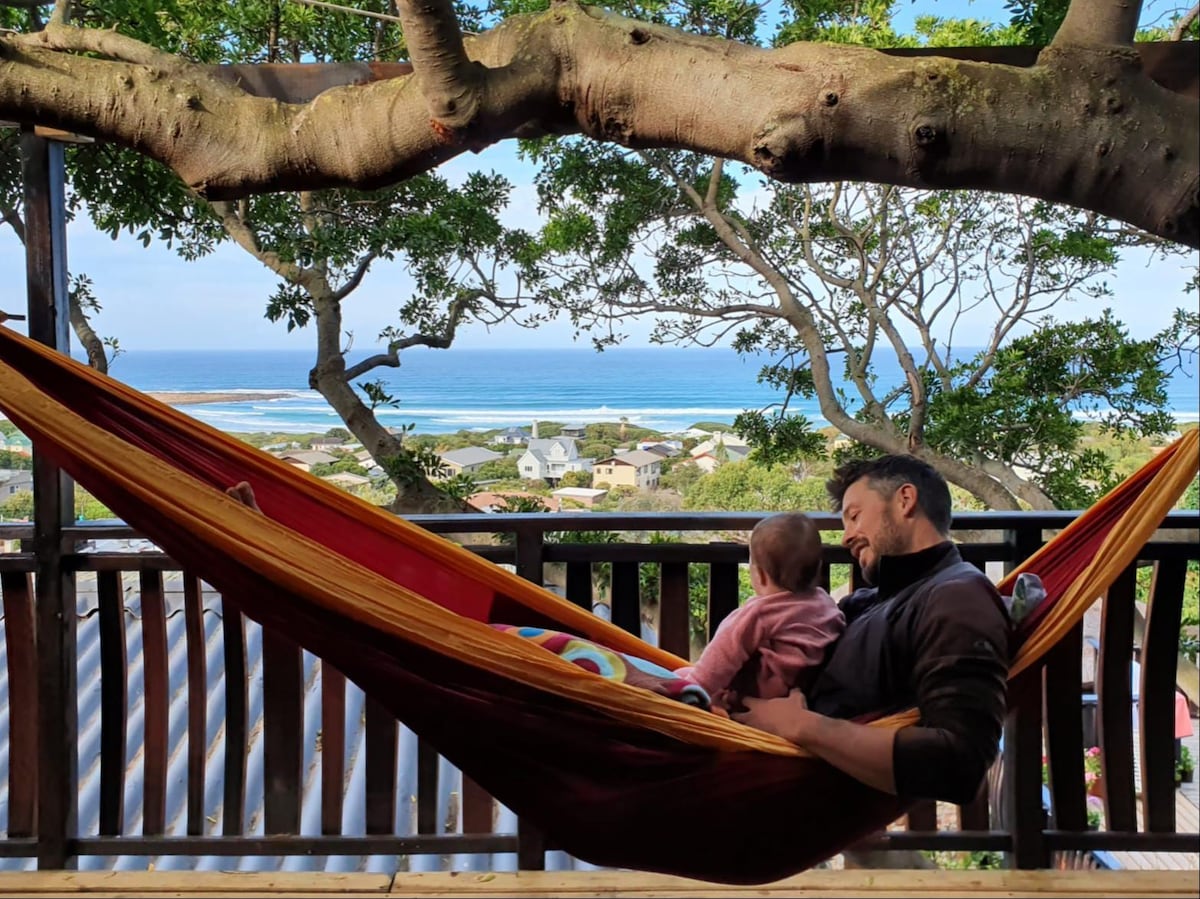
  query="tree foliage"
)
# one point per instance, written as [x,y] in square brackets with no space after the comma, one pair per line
[821,280]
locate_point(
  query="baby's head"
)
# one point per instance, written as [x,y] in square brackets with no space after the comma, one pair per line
[785,554]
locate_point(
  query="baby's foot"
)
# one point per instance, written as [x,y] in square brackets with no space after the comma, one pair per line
[244,494]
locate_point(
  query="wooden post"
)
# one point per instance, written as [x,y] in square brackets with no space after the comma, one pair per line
[43,171]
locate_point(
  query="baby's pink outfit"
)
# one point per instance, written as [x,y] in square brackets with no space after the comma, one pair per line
[785,634]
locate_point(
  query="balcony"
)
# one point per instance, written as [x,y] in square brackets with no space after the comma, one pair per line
[157,727]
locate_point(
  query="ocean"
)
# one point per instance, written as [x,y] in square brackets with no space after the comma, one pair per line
[440,391]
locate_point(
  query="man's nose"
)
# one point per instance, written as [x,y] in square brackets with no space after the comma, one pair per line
[848,535]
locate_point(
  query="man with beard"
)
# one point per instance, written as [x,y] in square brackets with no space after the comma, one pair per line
[929,631]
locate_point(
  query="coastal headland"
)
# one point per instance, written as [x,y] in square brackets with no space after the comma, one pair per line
[197,399]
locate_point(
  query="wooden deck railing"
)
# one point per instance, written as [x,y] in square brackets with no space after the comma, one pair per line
[43,736]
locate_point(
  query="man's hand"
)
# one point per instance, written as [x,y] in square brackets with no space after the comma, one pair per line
[782,716]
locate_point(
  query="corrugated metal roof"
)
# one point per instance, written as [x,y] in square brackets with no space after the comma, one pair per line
[354,808]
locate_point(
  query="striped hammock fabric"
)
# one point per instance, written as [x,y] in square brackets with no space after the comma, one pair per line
[613,774]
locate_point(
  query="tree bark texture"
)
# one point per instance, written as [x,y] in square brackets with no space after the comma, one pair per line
[1084,126]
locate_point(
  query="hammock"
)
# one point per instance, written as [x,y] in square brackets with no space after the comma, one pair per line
[612,774]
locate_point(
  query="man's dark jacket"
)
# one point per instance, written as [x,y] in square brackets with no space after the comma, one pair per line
[933,634]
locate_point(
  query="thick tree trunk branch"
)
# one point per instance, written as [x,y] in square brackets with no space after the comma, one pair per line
[1085,126]
[448,79]
[1095,23]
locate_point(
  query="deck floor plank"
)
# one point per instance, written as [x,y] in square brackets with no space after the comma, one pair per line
[607,884]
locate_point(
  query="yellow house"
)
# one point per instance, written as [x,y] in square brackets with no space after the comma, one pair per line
[636,468]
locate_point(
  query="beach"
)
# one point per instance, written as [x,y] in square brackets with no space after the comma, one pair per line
[195,399]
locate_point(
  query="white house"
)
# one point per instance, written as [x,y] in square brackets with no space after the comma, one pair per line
[549,458]
[585,496]
[511,437]
[468,459]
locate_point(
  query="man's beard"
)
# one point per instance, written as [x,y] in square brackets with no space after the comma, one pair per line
[888,542]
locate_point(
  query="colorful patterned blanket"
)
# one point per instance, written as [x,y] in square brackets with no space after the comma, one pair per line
[614,665]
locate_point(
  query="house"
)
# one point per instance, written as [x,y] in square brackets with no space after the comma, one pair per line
[576,431]
[720,447]
[364,457]
[512,437]
[468,459]
[664,448]
[486,501]
[18,443]
[327,444]
[306,459]
[709,462]
[14,482]
[721,439]
[549,458]
[347,480]
[636,468]
[584,496]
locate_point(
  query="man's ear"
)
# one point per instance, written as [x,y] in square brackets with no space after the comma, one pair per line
[906,499]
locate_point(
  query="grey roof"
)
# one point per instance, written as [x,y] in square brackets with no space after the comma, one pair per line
[637,458]
[471,455]
[354,809]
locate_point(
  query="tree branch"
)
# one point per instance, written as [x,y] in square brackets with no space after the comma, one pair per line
[1184,23]
[10,216]
[243,235]
[446,75]
[360,272]
[804,112]
[1096,23]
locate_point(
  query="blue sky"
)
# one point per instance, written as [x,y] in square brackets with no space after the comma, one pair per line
[153,300]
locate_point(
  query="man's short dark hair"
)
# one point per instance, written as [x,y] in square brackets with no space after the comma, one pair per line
[887,474]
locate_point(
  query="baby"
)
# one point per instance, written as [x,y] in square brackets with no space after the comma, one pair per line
[777,640]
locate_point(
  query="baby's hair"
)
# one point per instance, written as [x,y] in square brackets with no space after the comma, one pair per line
[787,548]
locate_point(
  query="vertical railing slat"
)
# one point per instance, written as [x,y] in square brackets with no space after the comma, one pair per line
[382,740]
[1064,732]
[479,808]
[531,847]
[722,593]
[626,597]
[113,701]
[21,643]
[233,635]
[1114,698]
[674,603]
[922,816]
[333,748]
[1160,647]
[1023,814]
[579,584]
[197,701]
[427,786]
[283,730]
[156,697]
